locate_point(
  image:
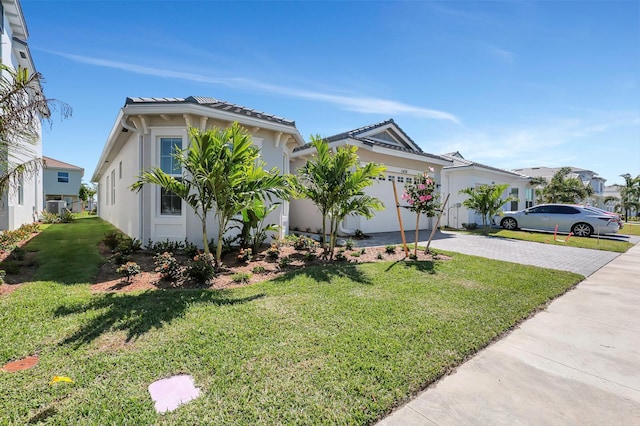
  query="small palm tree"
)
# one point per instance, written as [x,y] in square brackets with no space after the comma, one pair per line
[335,182]
[221,171]
[562,188]
[486,201]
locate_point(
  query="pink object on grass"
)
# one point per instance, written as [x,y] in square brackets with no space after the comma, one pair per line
[169,394]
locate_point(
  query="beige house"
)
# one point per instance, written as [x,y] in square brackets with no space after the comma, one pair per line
[385,143]
[144,134]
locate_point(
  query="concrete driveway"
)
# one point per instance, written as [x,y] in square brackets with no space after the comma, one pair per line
[581,261]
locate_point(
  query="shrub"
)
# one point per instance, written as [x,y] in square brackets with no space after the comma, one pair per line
[273,252]
[3,274]
[112,239]
[379,256]
[469,226]
[202,268]
[413,256]
[245,255]
[46,217]
[128,245]
[349,244]
[159,247]
[259,270]
[359,234]
[128,270]
[284,262]
[120,258]
[190,249]
[355,254]
[363,250]
[167,265]
[390,249]
[66,216]
[304,243]
[340,257]
[241,277]
[310,256]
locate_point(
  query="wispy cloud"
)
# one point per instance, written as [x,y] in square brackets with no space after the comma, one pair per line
[554,143]
[357,103]
[500,53]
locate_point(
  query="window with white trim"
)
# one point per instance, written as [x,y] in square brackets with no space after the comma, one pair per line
[113,186]
[63,177]
[400,179]
[170,203]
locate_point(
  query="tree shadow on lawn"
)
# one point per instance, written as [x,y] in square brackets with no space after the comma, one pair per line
[419,265]
[325,273]
[138,313]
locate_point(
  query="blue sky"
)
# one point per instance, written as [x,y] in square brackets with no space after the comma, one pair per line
[508,84]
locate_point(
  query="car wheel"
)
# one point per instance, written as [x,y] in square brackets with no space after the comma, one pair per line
[509,223]
[582,230]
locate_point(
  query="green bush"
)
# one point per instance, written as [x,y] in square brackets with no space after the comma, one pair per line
[168,266]
[202,268]
[129,269]
[259,270]
[112,239]
[390,249]
[241,277]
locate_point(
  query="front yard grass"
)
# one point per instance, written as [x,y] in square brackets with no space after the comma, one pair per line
[338,344]
[630,229]
[594,242]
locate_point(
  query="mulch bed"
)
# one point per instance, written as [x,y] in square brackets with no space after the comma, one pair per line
[108,280]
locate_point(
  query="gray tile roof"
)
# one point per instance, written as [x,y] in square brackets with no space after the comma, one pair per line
[459,161]
[353,134]
[214,104]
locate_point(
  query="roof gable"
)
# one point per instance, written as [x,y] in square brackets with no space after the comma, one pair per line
[51,163]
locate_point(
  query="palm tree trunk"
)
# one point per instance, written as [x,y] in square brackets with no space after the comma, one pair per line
[415,246]
[204,234]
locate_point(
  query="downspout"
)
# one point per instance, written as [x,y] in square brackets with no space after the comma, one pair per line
[130,128]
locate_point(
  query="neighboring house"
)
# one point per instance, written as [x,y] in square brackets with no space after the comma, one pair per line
[614,200]
[143,135]
[62,182]
[23,201]
[468,174]
[587,177]
[385,143]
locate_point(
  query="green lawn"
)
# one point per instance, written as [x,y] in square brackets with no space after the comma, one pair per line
[631,229]
[547,238]
[328,345]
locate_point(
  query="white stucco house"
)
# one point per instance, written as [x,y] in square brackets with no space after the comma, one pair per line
[587,177]
[61,181]
[384,143]
[143,135]
[23,201]
[463,173]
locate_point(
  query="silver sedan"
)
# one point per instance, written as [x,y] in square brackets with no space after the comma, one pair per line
[568,218]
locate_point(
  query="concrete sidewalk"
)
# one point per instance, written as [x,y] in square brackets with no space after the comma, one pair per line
[577,362]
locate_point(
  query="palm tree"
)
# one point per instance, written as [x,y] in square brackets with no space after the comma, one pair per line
[221,170]
[335,182]
[630,194]
[485,200]
[23,108]
[562,188]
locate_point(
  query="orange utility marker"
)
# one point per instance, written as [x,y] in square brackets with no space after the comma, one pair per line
[404,240]
[555,235]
